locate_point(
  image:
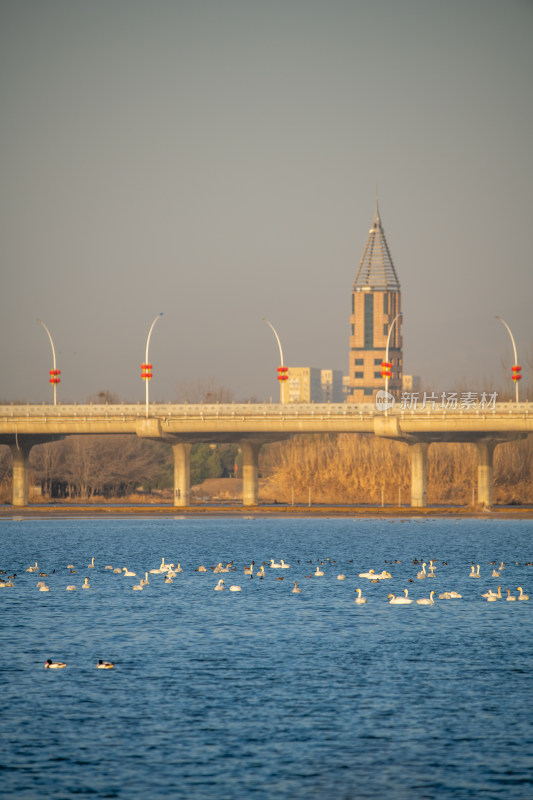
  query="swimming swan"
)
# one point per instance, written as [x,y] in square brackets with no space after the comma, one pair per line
[522,596]
[427,601]
[369,574]
[318,572]
[220,586]
[297,589]
[399,601]
[128,573]
[359,599]
[421,575]
[473,572]
[235,589]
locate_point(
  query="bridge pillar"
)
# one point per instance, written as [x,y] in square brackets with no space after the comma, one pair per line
[182,473]
[21,459]
[419,454]
[250,472]
[485,452]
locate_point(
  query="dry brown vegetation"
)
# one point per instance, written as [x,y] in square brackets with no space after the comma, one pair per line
[353,468]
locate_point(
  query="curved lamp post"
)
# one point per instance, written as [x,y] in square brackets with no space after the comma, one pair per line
[387,371]
[54,373]
[146,368]
[282,370]
[515,369]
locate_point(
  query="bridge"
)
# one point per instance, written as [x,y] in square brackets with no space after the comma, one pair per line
[252,425]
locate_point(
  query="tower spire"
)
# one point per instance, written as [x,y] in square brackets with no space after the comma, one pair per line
[376,268]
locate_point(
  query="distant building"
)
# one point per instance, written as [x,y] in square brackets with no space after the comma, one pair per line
[376,301]
[410,383]
[332,390]
[304,385]
[313,385]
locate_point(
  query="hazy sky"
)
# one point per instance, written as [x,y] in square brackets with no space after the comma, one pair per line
[217,160]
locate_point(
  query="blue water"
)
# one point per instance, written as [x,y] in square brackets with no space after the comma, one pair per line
[265,693]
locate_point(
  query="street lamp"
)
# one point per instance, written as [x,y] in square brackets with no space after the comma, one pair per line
[146,368]
[386,365]
[515,369]
[54,373]
[282,370]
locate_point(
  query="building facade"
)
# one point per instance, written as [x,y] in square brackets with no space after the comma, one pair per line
[376,303]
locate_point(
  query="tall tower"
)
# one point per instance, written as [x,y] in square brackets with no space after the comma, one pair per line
[376,300]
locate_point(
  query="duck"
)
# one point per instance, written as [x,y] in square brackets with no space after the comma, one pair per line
[105,664]
[359,599]
[128,573]
[49,664]
[426,601]
[510,596]
[521,595]
[422,574]
[474,572]
[318,572]
[91,565]
[220,586]
[399,601]
[168,578]
[86,585]
[296,589]
[235,589]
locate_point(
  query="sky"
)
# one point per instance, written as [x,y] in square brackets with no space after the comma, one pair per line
[218,161]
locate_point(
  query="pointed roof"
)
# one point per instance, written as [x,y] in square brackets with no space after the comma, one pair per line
[376,269]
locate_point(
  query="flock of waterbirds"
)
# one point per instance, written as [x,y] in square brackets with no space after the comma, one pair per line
[170,571]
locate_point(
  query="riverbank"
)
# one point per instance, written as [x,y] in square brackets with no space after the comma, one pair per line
[148,510]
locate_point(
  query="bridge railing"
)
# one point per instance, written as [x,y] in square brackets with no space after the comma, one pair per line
[228,410]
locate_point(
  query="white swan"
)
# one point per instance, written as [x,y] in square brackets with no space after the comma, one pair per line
[283,565]
[91,565]
[341,577]
[426,601]
[359,599]
[71,588]
[33,569]
[421,575]
[128,573]
[273,564]
[220,586]
[44,588]
[399,601]
[510,596]
[318,572]
[235,589]
[86,585]
[297,589]
[522,596]
[201,569]
[473,572]
[370,574]
[138,587]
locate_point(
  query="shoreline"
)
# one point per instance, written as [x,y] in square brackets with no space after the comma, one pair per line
[147,510]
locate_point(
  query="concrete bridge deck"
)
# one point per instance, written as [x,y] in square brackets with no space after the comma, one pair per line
[254,424]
